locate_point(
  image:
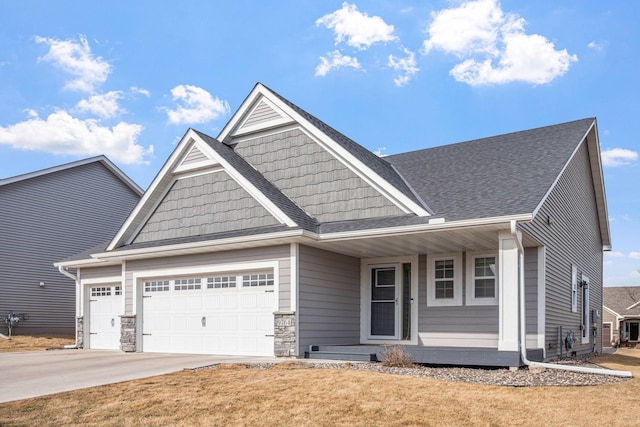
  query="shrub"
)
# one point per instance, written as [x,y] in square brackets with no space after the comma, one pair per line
[395,356]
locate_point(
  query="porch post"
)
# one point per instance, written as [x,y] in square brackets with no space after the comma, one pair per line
[507,292]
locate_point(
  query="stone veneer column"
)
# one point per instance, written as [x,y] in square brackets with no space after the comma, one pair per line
[128,333]
[80,332]
[284,333]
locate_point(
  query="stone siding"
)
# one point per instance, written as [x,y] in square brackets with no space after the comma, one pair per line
[80,332]
[128,333]
[285,334]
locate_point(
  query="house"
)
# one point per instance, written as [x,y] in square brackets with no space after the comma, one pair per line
[284,237]
[621,312]
[48,215]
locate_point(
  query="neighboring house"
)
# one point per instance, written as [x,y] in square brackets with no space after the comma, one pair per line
[49,215]
[284,237]
[621,313]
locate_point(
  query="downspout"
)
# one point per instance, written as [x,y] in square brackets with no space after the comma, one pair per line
[62,270]
[523,329]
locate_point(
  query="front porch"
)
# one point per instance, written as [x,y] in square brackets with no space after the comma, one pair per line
[459,356]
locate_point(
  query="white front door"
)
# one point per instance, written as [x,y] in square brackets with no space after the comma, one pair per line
[228,314]
[105,306]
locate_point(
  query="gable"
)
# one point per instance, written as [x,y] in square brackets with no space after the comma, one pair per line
[203,204]
[313,178]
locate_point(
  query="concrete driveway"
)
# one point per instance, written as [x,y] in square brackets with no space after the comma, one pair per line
[30,374]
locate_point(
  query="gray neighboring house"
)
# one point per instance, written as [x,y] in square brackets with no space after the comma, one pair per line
[621,313]
[49,215]
[284,237]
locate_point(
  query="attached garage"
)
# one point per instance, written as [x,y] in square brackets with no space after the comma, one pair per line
[105,306]
[222,313]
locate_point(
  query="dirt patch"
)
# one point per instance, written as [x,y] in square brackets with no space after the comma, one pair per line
[32,343]
[340,397]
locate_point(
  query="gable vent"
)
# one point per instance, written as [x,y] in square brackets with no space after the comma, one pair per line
[194,156]
[261,114]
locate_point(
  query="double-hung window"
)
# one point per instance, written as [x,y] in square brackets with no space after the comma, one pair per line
[444,279]
[482,279]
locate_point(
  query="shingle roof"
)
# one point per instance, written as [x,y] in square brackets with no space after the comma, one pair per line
[620,298]
[378,164]
[497,176]
[265,186]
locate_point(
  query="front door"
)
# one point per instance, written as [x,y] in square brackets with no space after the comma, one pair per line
[384,291]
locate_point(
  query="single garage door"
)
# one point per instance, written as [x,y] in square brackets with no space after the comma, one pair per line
[229,314]
[105,302]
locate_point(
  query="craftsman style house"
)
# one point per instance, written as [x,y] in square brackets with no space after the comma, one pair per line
[284,237]
[51,214]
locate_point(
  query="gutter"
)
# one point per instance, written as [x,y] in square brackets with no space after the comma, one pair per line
[64,271]
[523,330]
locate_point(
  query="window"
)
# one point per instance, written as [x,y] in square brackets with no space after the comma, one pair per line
[101,291]
[574,289]
[156,286]
[257,279]
[221,282]
[187,284]
[482,279]
[444,279]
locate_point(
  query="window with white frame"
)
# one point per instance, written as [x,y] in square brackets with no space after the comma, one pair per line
[482,279]
[187,284]
[257,279]
[574,289]
[444,280]
[221,282]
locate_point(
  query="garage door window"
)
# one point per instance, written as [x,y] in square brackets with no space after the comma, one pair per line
[257,279]
[221,282]
[187,284]
[156,286]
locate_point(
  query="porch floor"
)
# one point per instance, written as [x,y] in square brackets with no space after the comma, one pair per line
[460,356]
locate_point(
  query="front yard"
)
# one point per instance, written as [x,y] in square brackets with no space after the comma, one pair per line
[288,394]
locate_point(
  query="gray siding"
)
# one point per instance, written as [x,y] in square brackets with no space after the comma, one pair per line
[313,178]
[481,320]
[531,289]
[100,272]
[204,204]
[572,238]
[46,219]
[279,253]
[329,298]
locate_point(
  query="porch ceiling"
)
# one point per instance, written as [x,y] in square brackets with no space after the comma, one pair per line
[458,240]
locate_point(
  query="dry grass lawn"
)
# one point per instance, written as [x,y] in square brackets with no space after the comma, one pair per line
[290,396]
[29,343]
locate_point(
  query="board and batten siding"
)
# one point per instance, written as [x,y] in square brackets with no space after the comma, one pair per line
[567,225]
[204,204]
[329,298]
[313,178]
[45,219]
[279,253]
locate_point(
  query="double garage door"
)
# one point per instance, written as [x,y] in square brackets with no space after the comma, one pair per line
[229,314]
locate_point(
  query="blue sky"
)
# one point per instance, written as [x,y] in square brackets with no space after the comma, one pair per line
[126,79]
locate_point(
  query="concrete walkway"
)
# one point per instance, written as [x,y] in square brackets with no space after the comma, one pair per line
[25,375]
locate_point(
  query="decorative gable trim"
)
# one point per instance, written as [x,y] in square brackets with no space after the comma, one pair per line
[192,156]
[260,94]
[263,115]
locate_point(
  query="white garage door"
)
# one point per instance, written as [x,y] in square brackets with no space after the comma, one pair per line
[230,314]
[105,302]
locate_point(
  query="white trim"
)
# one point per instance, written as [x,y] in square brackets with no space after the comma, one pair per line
[283,120]
[365,267]
[574,288]
[542,302]
[507,290]
[586,312]
[293,276]
[470,288]
[123,278]
[458,339]
[432,301]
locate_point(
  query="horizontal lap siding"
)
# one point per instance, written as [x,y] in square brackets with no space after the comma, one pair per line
[279,253]
[531,295]
[329,298]
[573,237]
[468,326]
[100,272]
[47,219]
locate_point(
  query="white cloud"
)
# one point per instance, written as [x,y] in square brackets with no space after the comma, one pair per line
[358,29]
[196,105]
[614,254]
[104,105]
[76,59]
[634,255]
[334,61]
[618,157]
[380,151]
[407,67]
[493,46]
[141,91]
[61,133]
[597,46]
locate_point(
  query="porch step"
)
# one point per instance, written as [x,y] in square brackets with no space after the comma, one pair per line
[343,352]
